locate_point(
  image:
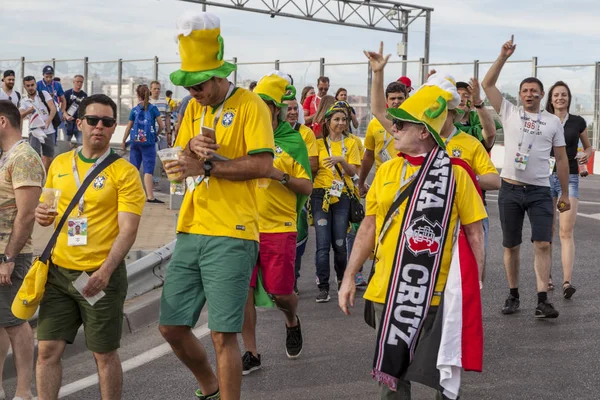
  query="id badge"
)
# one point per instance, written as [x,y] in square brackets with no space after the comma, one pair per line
[384,155]
[336,188]
[521,161]
[77,230]
[551,164]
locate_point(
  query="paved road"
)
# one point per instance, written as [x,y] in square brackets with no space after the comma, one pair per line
[524,358]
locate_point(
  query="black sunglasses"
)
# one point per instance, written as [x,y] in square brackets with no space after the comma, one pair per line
[398,123]
[92,120]
[198,87]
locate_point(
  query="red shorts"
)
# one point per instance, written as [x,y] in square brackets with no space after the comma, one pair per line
[276,259]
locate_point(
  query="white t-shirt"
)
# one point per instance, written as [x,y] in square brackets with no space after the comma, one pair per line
[40,109]
[13,96]
[542,135]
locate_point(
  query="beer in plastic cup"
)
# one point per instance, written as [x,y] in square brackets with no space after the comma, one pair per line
[50,197]
[168,155]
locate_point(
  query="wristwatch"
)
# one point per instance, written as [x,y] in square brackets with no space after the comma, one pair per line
[6,259]
[480,105]
[285,179]
[207,167]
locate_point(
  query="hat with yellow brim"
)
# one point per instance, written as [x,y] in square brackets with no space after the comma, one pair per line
[30,294]
[276,87]
[201,48]
[429,105]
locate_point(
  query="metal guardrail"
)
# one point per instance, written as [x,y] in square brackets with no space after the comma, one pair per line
[148,273]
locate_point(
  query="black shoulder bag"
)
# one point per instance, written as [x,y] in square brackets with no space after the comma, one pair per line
[357,211]
[369,313]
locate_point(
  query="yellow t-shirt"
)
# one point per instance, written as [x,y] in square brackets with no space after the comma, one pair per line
[117,189]
[469,149]
[310,140]
[172,104]
[375,140]
[467,206]
[359,143]
[277,203]
[324,178]
[227,208]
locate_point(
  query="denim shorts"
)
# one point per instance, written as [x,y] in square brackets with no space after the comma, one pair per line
[573,186]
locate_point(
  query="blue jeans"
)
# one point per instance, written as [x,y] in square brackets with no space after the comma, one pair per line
[300,248]
[331,228]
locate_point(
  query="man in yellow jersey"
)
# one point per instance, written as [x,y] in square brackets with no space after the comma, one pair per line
[108,214]
[379,144]
[293,116]
[280,200]
[421,253]
[228,141]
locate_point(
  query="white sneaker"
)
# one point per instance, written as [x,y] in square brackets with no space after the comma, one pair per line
[2,394]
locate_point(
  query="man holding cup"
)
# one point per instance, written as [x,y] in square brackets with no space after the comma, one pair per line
[21,178]
[108,216]
[218,231]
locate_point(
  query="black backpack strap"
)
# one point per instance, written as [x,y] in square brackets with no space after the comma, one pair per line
[74,201]
[43,98]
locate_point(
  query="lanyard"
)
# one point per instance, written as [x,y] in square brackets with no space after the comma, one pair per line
[386,141]
[219,111]
[4,159]
[331,155]
[76,173]
[525,119]
[454,133]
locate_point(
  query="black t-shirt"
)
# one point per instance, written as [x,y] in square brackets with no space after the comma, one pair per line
[72,96]
[573,128]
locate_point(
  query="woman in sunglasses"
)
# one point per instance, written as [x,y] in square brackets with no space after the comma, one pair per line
[142,134]
[339,160]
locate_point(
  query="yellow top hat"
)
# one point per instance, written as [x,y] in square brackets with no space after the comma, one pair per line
[201,48]
[429,105]
[275,87]
[30,293]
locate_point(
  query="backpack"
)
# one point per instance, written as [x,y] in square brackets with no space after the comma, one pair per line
[143,132]
[56,119]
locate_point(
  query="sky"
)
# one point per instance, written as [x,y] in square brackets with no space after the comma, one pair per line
[560,32]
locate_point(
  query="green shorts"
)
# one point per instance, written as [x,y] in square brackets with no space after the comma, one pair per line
[213,269]
[63,309]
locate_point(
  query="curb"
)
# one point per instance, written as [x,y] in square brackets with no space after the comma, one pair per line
[138,313]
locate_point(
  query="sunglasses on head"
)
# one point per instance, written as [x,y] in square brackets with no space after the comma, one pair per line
[92,120]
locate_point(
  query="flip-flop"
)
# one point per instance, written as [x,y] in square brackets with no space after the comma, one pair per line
[568,290]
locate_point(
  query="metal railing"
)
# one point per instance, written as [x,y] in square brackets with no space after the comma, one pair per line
[119,78]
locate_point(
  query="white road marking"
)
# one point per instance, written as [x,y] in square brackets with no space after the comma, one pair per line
[588,203]
[130,364]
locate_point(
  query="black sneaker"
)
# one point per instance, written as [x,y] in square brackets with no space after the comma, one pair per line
[511,305]
[250,363]
[155,201]
[545,310]
[293,341]
[323,296]
[216,396]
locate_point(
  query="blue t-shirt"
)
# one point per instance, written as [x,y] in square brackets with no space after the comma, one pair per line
[143,132]
[54,88]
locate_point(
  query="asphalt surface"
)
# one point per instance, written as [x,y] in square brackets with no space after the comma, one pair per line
[525,358]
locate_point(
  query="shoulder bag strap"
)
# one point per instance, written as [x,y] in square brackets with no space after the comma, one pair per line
[403,196]
[74,201]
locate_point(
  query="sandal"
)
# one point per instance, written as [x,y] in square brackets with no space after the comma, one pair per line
[568,290]
[550,286]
